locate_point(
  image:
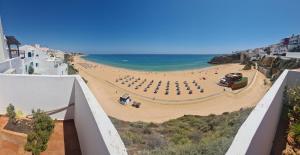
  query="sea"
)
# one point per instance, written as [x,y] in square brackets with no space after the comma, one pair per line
[153,62]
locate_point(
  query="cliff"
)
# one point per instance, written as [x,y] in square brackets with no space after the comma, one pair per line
[223,59]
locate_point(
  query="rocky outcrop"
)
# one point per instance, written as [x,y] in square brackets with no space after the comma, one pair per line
[223,59]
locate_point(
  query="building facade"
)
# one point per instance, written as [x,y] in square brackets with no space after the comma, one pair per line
[42,61]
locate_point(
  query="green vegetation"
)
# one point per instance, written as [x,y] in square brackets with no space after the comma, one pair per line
[30,70]
[68,58]
[295,132]
[209,135]
[11,113]
[43,127]
[247,66]
[291,110]
[72,70]
[279,65]
[240,84]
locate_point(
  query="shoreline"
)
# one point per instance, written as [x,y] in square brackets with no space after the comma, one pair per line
[160,107]
[167,71]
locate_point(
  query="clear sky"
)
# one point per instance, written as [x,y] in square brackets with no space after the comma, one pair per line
[151,26]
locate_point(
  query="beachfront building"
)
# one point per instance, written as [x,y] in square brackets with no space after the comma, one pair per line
[278,49]
[251,55]
[16,59]
[294,47]
[42,60]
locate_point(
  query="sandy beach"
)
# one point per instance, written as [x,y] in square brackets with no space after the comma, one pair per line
[199,92]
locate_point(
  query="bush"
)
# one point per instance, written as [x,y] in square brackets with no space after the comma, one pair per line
[240,84]
[189,134]
[72,70]
[131,138]
[155,141]
[30,70]
[295,132]
[10,112]
[43,127]
[247,66]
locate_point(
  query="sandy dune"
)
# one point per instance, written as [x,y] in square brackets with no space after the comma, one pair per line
[109,83]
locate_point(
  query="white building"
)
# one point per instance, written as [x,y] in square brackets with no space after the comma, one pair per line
[42,61]
[278,49]
[294,47]
[294,42]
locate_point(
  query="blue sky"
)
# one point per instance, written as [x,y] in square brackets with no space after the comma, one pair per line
[151,26]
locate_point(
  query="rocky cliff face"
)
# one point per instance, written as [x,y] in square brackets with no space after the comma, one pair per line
[223,59]
[276,65]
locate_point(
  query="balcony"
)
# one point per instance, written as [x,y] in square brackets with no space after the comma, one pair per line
[68,98]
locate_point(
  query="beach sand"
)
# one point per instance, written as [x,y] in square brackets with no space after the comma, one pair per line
[104,81]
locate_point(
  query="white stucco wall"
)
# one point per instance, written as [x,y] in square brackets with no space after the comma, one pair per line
[4,65]
[293,54]
[257,133]
[93,126]
[17,64]
[14,63]
[3,51]
[32,92]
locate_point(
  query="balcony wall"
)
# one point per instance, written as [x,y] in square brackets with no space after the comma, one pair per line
[95,127]
[14,63]
[256,134]
[95,131]
[4,65]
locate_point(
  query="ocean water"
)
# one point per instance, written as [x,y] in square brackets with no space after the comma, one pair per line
[152,62]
